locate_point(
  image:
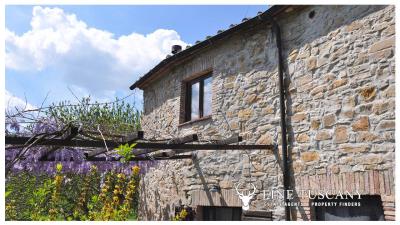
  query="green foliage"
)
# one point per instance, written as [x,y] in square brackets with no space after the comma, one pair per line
[39,200]
[126,152]
[88,197]
[116,118]
[24,190]
[68,196]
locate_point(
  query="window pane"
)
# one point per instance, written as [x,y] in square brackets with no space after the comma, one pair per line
[207,96]
[195,101]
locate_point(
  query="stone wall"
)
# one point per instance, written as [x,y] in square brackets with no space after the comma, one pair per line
[341,98]
[342,116]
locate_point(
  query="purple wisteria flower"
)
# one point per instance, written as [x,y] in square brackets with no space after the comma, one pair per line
[72,159]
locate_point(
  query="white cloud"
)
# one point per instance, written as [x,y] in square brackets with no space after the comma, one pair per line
[88,58]
[12,102]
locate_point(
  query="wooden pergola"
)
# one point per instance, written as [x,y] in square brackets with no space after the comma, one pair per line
[142,148]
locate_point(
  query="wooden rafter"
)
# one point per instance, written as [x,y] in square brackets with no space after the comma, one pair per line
[114,159]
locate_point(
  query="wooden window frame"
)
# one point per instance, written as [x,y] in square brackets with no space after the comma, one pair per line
[188,96]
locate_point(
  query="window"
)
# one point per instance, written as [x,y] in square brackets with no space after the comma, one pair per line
[369,208]
[198,98]
[218,213]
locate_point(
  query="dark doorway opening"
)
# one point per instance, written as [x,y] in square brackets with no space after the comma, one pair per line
[217,213]
[369,207]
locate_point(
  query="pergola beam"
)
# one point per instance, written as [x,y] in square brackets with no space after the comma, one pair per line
[69,135]
[180,140]
[143,158]
[114,159]
[139,145]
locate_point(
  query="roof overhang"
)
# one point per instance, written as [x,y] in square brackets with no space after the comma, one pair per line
[165,65]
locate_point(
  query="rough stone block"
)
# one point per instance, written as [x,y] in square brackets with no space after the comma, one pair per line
[303,138]
[338,83]
[329,120]
[309,156]
[354,26]
[298,117]
[386,43]
[311,63]
[293,55]
[304,80]
[315,123]
[364,108]
[322,135]
[390,30]
[298,166]
[340,135]
[304,52]
[347,113]
[386,125]
[317,90]
[229,85]
[245,113]
[362,124]
[368,93]
[265,139]
[365,136]
[370,159]
[268,110]
[384,54]
[354,148]
[252,99]
[390,91]
[381,107]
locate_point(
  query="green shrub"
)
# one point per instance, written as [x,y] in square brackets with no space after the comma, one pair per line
[72,196]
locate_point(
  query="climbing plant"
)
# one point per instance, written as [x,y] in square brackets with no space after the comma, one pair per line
[73,190]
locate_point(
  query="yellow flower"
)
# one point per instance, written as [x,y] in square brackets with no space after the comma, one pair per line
[136,170]
[183,213]
[181,216]
[59,167]
[58,179]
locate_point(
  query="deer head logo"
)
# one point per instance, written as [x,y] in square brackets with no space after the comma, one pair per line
[245,198]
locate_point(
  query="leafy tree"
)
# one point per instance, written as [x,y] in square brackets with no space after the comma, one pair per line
[116,117]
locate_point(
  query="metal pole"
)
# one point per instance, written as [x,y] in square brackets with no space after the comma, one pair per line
[286,175]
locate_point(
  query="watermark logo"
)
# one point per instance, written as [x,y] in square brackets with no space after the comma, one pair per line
[245,198]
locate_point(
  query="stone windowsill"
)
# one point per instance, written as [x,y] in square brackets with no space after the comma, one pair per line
[194,121]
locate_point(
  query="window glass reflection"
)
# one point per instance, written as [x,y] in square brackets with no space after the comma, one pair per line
[207,97]
[195,101]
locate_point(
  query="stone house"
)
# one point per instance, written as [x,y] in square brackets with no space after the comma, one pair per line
[339,89]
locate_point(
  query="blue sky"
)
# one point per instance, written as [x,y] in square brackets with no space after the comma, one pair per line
[99,50]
